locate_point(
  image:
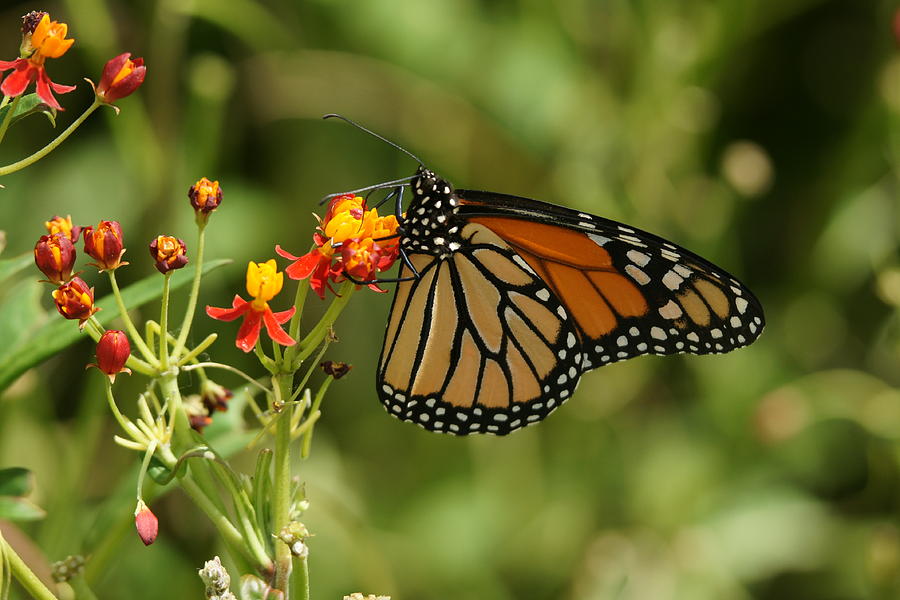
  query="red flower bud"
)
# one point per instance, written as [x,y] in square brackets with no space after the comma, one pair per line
[146,523]
[168,252]
[63,225]
[121,77]
[75,300]
[205,195]
[54,255]
[113,351]
[105,245]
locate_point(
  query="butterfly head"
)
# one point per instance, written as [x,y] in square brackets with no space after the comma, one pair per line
[430,225]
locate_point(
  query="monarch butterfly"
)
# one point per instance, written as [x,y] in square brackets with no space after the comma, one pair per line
[503,302]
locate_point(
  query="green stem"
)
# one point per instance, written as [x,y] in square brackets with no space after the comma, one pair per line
[129,325]
[25,576]
[126,425]
[25,162]
[314,337]
[81,589]
[300,579]
[164,326]
[230,534]
[246,516]
[236,371]
[9,115]
[299,302]
[195,293]
[281,498]
[201,347]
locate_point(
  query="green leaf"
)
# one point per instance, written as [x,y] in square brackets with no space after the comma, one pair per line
[11,266]
[19,509]
[16,481]
[27,106]
[58,334]
[21,315]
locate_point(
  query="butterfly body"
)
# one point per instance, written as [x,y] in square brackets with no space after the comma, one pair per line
[508,300]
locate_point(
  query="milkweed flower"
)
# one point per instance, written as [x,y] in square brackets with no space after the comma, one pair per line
[263,283]
[113,350]
[146,523]
[63,225]
[169,253]
[205,195]
[75,300]
[54,255]
[350,241]
[42,39]
[105,245]
[121,77]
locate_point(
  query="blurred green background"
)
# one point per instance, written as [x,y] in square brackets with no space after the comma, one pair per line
[764,135]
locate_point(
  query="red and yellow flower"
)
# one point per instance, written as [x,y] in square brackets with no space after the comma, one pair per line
[63,225]
[264,282]
[54,255]
[105,245]
[205,195]
[121,77]
[113,351]
[350,241]
[168,253]
[75,300]
[42,39]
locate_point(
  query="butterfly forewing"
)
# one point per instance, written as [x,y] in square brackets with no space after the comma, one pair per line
[629,291]
[477,343]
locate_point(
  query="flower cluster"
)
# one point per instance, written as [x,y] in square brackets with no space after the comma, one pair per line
[350,242]
[43,39]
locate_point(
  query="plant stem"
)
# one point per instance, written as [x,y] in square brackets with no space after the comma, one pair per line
[25,576]
[9,115]
[300,579]
[314,337]
[281,498]
[132,330]
[25,162]
[164,326]
[81,588]
[195,293]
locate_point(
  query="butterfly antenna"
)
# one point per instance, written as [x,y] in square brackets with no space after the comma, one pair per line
[373,134]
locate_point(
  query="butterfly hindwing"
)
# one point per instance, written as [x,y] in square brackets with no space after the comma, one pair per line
[477,343]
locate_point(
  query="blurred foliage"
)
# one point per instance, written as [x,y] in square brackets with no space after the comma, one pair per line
[764,135]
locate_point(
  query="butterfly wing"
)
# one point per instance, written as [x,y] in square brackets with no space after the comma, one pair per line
[629,292]
[477,343]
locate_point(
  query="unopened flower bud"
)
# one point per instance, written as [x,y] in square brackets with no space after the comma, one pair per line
[54,255]
[75,300]
[105,245]
[121,77]
[205,197]
[294,534]
[63,225]
[113,351]
[146,523]
[169,253]
[66,569]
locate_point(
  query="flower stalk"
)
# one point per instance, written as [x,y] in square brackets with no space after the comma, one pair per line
[25,576]
[30,160]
